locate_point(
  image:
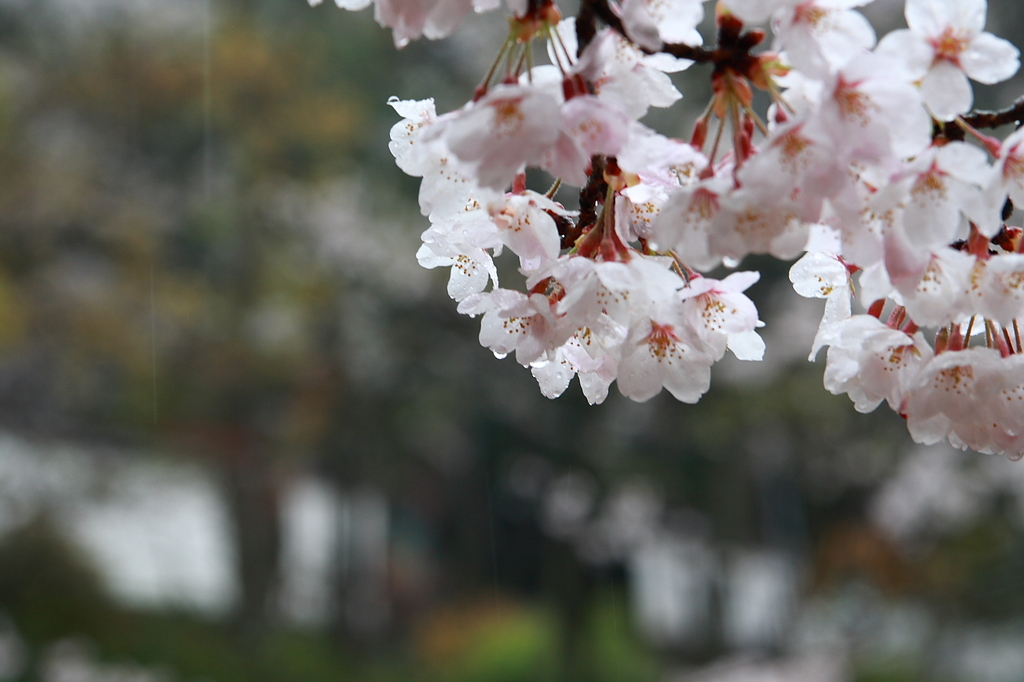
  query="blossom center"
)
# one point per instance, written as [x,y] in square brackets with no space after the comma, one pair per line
[662,342]
[853,104]
[704,203]
[810,14]
[955,379]
[929,183]
[792,146]
[508,118]
[1013,167]
[950,44]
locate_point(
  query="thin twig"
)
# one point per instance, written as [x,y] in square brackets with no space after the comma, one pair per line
[952,130]
[970,327]
[592,193]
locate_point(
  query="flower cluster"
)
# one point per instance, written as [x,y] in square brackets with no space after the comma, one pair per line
[869,159]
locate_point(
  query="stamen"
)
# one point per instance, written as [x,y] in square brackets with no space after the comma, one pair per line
[956,339]
[550,194]
[757,120]
[485,84]
[896,317]
[558,42]
[967,336]
[718,138]
[682,268]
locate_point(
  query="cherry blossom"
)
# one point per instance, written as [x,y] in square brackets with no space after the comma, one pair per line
[670,21]
[620,72]
[503,131]
[944,46]
[723,316]
[872,362]
[822,274]
[822,35]
[410,19]
[867,165]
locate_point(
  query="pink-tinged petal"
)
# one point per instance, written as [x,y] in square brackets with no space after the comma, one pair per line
[639,24]
[989,59]
[904,263]
[938,298]
[527,229]
[963,161]
[595,387]
[837,309]
[444,18]
[1000,295]
[645,149]
[928,431]
[932,17]
[928,17]
[638,377]
[946,91]
[658,355]
[600,128]
[678,20]
[565,159]
[969,15]
[658,87]
[1008,176]
[850,34]
[509,127]
[689,382]
[470,274]
[818,275]
[874,284]
[755,11]
[405,18]
[697,286]
[819,39]
[841,4]
[667,63]
[746,346]
[739,281]
[615,276]
[553,376]
[907,48]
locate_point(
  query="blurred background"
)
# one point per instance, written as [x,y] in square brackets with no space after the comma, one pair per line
[244,437]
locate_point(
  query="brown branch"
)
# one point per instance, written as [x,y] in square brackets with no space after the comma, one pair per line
[951,130]
[993,119]
[603,11]
[591,195]
[586,26]
[698,54]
